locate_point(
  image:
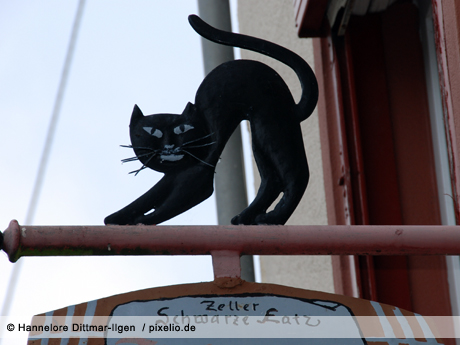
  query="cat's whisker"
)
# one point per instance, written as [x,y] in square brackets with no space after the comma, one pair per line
[202,161]
[197,146]
[135,158]
[143,166]
[140,148]
[195,140]
[138,170]
[131,159]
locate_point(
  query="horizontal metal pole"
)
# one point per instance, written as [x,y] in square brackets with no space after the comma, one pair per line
[252,240]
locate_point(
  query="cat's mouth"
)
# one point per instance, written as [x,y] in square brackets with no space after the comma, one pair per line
[171,154]
[171,157]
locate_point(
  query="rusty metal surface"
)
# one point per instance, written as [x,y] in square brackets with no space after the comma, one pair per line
[226,263]
[253,240]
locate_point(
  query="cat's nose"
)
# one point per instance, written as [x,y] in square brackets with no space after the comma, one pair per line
[169,147]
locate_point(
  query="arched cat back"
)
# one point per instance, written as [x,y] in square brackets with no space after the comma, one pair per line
[187,147]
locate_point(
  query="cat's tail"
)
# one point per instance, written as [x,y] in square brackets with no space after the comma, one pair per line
[305,74]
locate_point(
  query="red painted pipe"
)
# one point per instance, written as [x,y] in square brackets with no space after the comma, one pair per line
[254,240]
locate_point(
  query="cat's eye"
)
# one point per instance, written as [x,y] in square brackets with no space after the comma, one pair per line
[156,133]
[182,129]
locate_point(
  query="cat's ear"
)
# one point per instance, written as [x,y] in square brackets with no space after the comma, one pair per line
[136,115]
[189,110]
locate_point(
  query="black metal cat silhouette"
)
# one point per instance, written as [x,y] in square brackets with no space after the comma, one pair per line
[187,147]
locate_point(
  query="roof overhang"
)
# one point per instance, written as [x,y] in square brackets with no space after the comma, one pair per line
[315,17]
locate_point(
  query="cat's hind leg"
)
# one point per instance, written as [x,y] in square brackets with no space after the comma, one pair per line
[280,156]
[266,195]
[270,187]
[285,207]
[295,179]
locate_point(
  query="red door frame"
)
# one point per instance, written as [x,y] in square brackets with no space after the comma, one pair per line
[446,17]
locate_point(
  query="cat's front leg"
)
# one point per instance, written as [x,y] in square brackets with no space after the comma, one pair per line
[133,213]
[172,195]
[185,194]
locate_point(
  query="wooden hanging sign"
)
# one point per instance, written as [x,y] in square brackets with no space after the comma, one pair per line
[249,313]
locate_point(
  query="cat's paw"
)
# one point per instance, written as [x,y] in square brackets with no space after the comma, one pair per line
[236,220]
[242,220]
[269,219]
[117,219]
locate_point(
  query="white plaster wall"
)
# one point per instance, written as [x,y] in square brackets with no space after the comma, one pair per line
[274,20]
